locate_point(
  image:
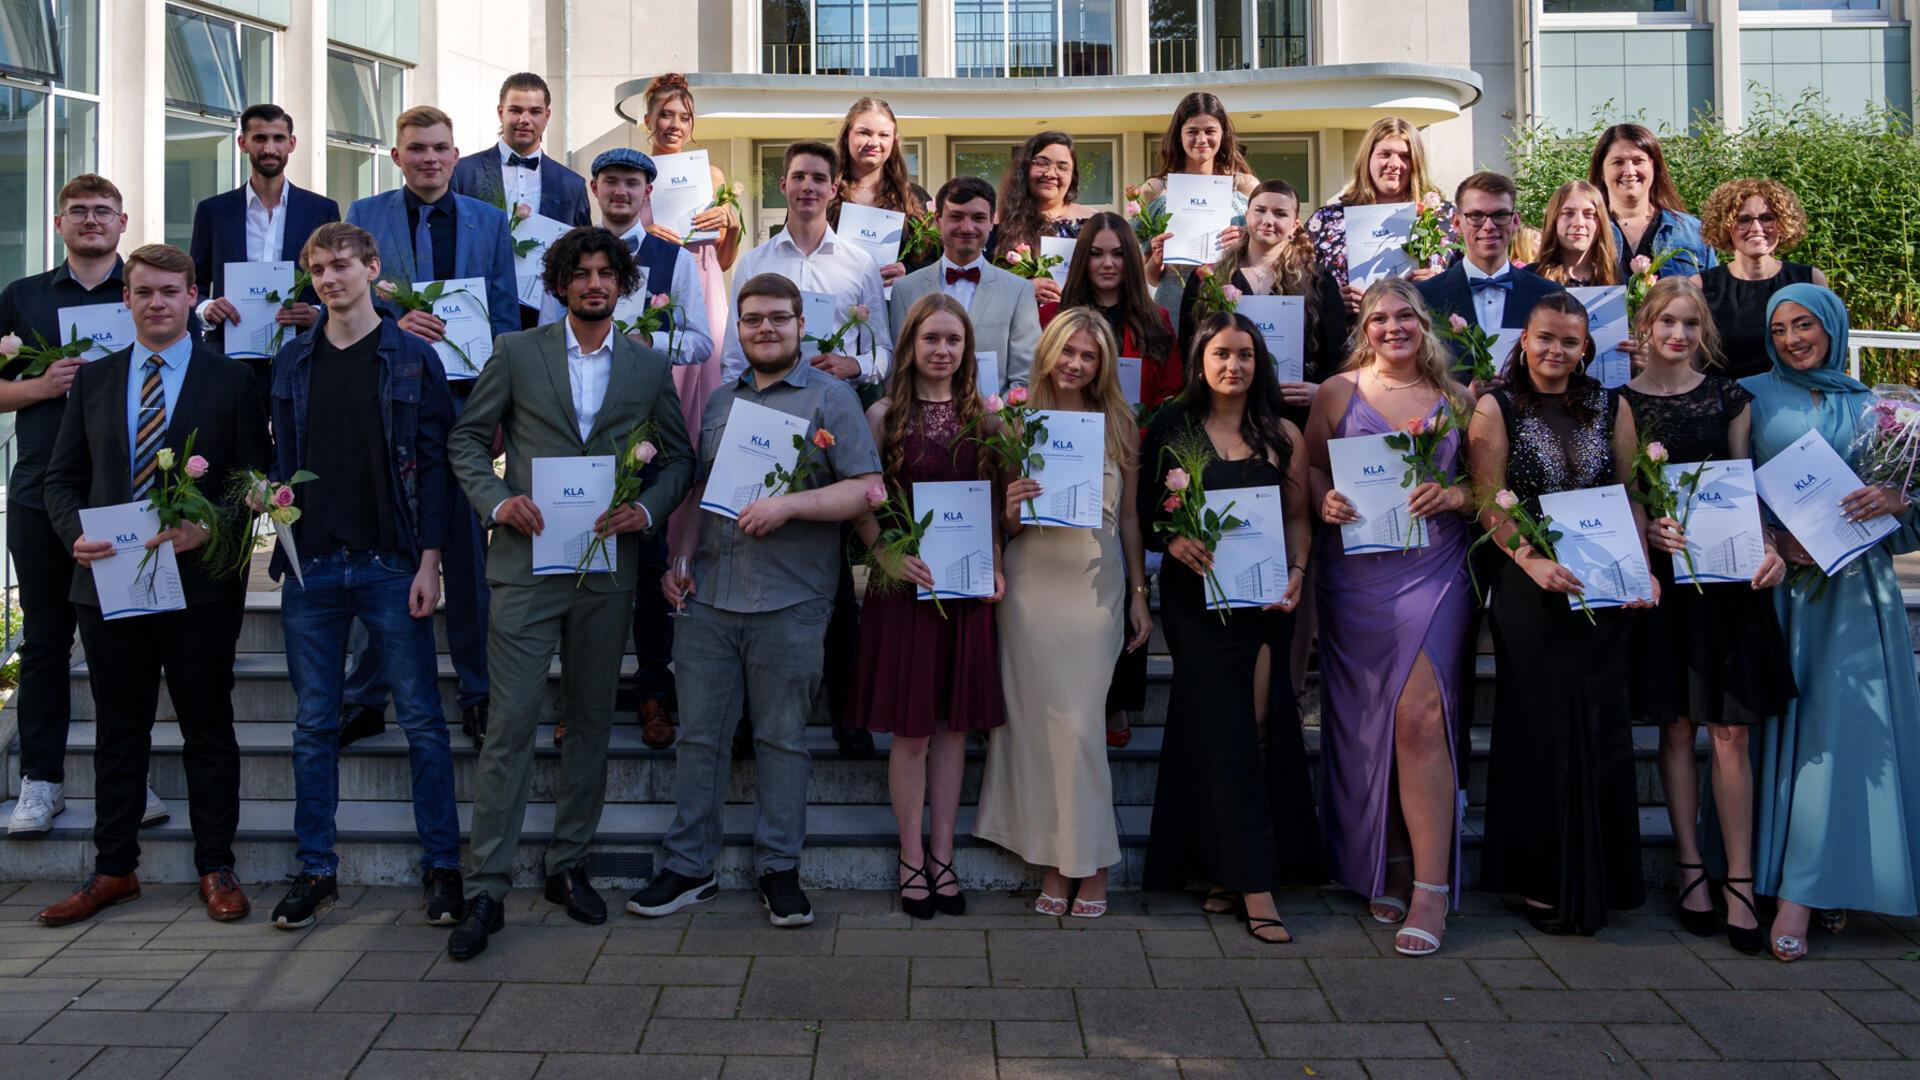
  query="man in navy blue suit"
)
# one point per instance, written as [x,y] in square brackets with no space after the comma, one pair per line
[1484,286]
[428,232]
[514,170]
[266,219]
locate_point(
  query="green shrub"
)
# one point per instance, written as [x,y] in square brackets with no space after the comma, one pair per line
[1858,176]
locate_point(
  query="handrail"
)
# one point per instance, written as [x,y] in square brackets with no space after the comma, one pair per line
[10,629]
[1876,339]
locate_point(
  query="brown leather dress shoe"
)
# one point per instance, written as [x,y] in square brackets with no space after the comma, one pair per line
[226,900]
[98,892]
[656,727]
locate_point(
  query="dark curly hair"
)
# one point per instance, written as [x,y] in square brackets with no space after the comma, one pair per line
[563,258]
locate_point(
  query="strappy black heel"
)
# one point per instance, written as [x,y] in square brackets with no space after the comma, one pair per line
[1255,924]
[944,904]
[922,907]
[1747,939]
[1698,923]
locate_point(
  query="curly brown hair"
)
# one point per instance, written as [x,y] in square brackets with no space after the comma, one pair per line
[1716,217]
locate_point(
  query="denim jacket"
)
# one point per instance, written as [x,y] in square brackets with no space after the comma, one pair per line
[418,414]
[1675,231]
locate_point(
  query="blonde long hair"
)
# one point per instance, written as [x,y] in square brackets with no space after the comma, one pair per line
[1360,190]
[1434,362]
[1662,296]
[1123,434]
[1553,262]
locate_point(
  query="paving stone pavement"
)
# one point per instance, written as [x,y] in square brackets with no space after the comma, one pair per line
[1154,991]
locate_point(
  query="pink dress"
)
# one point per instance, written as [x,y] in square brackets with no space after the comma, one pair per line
[696,382]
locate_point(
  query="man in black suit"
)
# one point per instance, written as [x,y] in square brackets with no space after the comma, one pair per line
[1484,286]
[125,415]
[266,219]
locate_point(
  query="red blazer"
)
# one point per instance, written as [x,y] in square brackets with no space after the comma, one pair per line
[1161,377]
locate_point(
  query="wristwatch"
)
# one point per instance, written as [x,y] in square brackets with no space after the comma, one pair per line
[1142,590]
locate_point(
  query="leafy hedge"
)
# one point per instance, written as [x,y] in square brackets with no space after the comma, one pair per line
[1858,176]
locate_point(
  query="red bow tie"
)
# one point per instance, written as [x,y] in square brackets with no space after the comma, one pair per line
[971,273]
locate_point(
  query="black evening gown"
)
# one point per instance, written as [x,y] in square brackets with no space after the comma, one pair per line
[1225,810]
[1739,310]
[1563,816]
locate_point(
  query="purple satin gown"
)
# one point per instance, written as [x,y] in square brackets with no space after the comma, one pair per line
[1378,613]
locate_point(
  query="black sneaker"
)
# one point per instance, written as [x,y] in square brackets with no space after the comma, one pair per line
[308,899]
[780,894]
[473,722]
[443,892]
[360,722]
[668,892]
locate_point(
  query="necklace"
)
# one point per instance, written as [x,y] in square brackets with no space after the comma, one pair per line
[1389,387]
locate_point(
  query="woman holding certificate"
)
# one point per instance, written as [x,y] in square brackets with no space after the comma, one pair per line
[1756,220]
[873,172]
[1199,141]
[1710,654]
[1649,216]
[1233,806]
[1394,631]
[1074,598]
[929,674]
[1038,200]
[1576,248]
[1838,826]
[1391,167]
[1563,815]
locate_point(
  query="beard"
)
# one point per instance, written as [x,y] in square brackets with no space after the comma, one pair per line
[267,166]
[591,309]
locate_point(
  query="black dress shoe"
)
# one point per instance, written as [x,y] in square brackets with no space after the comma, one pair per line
[571,888]
[855,745]
[360,722]
[485,916]
[473,723]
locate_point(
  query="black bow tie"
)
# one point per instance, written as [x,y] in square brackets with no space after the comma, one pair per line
[518,162]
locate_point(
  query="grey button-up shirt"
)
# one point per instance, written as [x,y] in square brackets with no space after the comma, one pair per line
[801,560]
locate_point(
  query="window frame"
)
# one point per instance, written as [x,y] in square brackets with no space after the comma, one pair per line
[238,23]
[55,91]
[1692,15]
[813,39]
[1881,15]
[57,74]
[1059,43]
[1310,198]
[380,145]
[1207,43]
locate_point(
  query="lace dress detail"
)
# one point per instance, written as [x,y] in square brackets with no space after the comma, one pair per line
[1551,449]
[933,448]
[1693,425]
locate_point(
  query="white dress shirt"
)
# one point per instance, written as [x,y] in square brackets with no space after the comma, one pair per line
[587,374]
[517,184]
[960,290]
[693,341]
[266,229]
[1489,305]
[841,270]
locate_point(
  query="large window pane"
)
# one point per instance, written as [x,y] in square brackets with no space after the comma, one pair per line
[1088,37]
[1229,36]
[352,95]
[1033,31]
[25,206]
[349,174]
[392,100]
[1612,7]
[203,64]
[1173,36]
[979,38]
[837,29]
[26,39]
[1812,5]
[988,161]
[893,37]
[76,148]
[1283,159]
[1283,32]
[256,64]
[786,30]
[79,24]
[199,162]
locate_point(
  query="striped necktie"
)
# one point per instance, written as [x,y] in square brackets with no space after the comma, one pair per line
[151,432]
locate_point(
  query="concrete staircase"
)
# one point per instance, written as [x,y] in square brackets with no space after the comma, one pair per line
[851,838]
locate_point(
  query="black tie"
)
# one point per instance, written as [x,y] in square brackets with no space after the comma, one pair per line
[518,162]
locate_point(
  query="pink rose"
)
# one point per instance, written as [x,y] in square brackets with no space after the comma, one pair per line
[1022,249]
[196,467]
[1518,265]
[1416,426]
[859,313]
[1641,264]
[1506,500]
[644,452]
[387,289]
[993,404]
[283,496]
[1132,209]
[521,211]
[1172,504]
[10,345]
[1656,452]
[1017,396]
[1177,480]
[1431,201]
[1459,324]
[876,495]
[1231,293]
[660,300]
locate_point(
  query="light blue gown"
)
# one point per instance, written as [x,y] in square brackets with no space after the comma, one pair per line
[1837,778]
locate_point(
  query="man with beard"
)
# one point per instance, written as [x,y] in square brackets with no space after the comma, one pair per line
[90,221]
[566,390]
[266,219]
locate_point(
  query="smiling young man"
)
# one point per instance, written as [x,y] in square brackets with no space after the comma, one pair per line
[363,406]
[1484,286]
[1006,320]
[123,414]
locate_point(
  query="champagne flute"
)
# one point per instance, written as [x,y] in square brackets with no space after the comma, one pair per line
[682,571]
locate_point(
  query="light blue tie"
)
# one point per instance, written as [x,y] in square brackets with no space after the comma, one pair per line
[423,245]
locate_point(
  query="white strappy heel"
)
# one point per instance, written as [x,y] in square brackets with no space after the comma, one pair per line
[1393,902]
[1418,934]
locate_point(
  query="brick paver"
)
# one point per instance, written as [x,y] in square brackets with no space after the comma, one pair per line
[154,989]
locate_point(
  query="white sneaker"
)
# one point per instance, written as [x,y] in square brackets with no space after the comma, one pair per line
[40,802]
[156,811]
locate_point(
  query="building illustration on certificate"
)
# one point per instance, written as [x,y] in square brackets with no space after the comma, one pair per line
[969,575]
[743,494]
[1622,578]
[1729,557]
[1069,503]
[1257,582]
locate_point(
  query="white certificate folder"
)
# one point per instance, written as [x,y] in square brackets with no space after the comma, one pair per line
[958,545]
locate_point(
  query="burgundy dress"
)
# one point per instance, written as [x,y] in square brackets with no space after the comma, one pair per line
[919,673]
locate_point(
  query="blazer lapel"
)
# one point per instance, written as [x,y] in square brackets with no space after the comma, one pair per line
[233,242]
[118,410]
[464,228]
[298,229]
[491,189]
[401,256]
[180,424]
[553,350]
[622,379]
[552,195]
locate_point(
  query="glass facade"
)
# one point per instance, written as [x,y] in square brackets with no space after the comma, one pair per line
[840,37]
[49,131]
[1033,38]
[363,97]
[215,68]
[1225,35]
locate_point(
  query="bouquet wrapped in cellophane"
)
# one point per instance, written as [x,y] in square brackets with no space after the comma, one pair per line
[1887,447]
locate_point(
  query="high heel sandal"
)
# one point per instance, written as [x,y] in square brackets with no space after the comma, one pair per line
[1394,902]
[944,904]
[1418,934]
[1231,899]
[1697,923]
[921,908]
[1049,905]
[1747,939]
[1255,924]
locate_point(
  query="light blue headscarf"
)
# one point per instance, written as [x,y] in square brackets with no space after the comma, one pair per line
[1785,390]
[1832,313]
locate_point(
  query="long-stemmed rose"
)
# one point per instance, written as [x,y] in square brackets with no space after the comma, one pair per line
[1216,294]
[404,296]
[1476,349]
[176,499]
[659,310]
[782,479]
[1188,515]
[637,451]
[857,315]
[1428,242]
[900,536]
[1019,433]
[1666,496]
[1147,223]
[1537,533]
[41,356]
[1027,263]
[1419,444]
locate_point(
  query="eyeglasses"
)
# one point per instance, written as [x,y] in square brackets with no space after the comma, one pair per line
[1502,218]
[96,213]
[1765,221]
[779,319]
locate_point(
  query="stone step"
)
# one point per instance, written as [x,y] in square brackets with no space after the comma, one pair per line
[848,847]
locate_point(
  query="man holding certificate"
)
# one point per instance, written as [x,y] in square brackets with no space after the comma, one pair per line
[128,416]
[429,232]
[566,396]
[1485,287]
[363,407]
[1006,321]
[758,602]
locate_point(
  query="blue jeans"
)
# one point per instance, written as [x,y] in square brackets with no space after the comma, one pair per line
[341,587]
[774,657]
